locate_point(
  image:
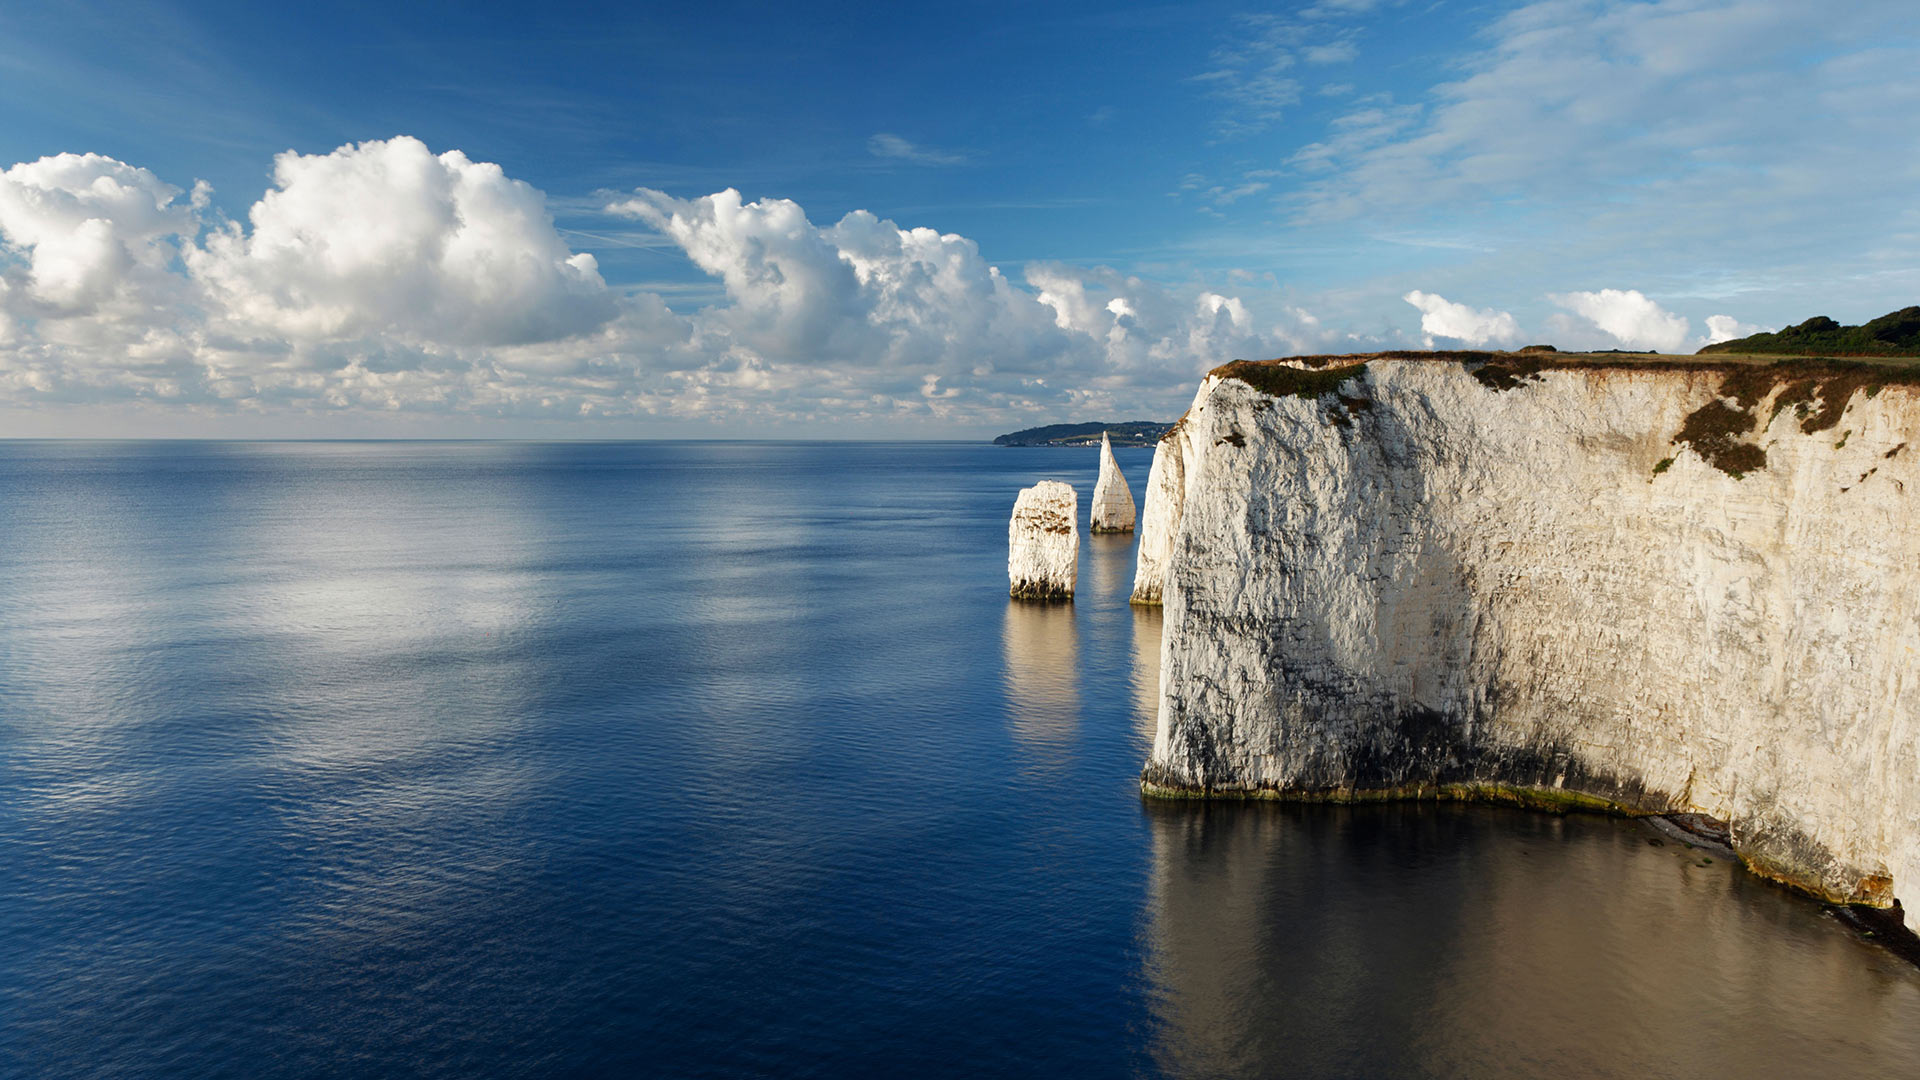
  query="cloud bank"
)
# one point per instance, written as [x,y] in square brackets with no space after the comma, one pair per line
[385,279]
[382,276]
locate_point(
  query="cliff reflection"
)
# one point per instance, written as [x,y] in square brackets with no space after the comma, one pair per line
[1042,648]
[1106,565]
[1146,674]
[1472,941]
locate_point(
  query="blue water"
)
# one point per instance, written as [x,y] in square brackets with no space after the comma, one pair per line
[457,759]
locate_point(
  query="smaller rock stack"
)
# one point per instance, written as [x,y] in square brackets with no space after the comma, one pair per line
[1112,502]
[1043,544]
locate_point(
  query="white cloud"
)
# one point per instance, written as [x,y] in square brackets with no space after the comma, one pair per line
[384,278]
[386,237]
[1675,123]
[1252,71]
[1442,318]
[91,230]
[1628,317]
[888,145]
[892,305]
[1726,328]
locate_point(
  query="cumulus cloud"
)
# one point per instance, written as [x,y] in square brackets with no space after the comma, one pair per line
[1442,318]
[389,238]
[861,293]
[1628,317]
[379,275]
[385,277]
[928,322]
[91,231]
[1726,328]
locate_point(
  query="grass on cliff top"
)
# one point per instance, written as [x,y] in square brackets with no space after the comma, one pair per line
[1541,359]
[1750,375]
[1279,379]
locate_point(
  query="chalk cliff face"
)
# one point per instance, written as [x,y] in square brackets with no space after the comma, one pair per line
[1043,542]
[1600,586]
[1112,500]
[1166,497]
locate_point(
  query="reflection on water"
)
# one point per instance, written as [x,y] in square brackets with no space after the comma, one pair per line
[1470,941]
[1042,652]
[735,760]
[1146,674]
[1107,561]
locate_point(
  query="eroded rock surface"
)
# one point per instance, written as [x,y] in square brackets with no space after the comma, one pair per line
[1420,578]
[1043,542]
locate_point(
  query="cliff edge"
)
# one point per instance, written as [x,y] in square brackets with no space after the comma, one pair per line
[1649,586]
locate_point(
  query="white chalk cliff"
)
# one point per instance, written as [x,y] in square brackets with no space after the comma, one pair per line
[1679,586]
[1043,542]
[1166,497]
[1112,501]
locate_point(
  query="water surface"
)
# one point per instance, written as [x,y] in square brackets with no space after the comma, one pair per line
[454,759]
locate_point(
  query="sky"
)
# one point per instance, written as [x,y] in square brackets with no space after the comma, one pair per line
[898,220]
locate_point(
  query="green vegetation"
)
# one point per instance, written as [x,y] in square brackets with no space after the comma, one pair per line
[1817,389]
[1509,373]
[1893,334]
[1662,465]
[1714,431]
[1283,380]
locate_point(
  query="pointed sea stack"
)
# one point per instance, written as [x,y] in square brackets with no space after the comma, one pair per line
[1043,544]
[1112,502]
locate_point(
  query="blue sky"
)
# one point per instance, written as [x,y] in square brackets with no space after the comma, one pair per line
[370,218]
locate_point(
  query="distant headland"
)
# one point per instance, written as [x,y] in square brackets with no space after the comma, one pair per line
[1127,433]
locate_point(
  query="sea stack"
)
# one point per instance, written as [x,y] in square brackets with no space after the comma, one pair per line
[1112,502]
[1043,545]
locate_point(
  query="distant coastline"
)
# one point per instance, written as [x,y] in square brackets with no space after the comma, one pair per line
[1125,433]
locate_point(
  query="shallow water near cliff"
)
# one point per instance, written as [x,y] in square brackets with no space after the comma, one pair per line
[733,759]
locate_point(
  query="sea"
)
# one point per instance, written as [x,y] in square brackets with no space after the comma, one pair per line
[733,759]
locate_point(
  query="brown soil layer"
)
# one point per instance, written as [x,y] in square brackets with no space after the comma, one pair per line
[1899,369]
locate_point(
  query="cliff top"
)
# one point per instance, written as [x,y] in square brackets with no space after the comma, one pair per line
[1311,376]
[1817,388]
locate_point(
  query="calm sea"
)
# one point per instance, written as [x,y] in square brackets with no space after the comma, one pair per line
[717,759]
